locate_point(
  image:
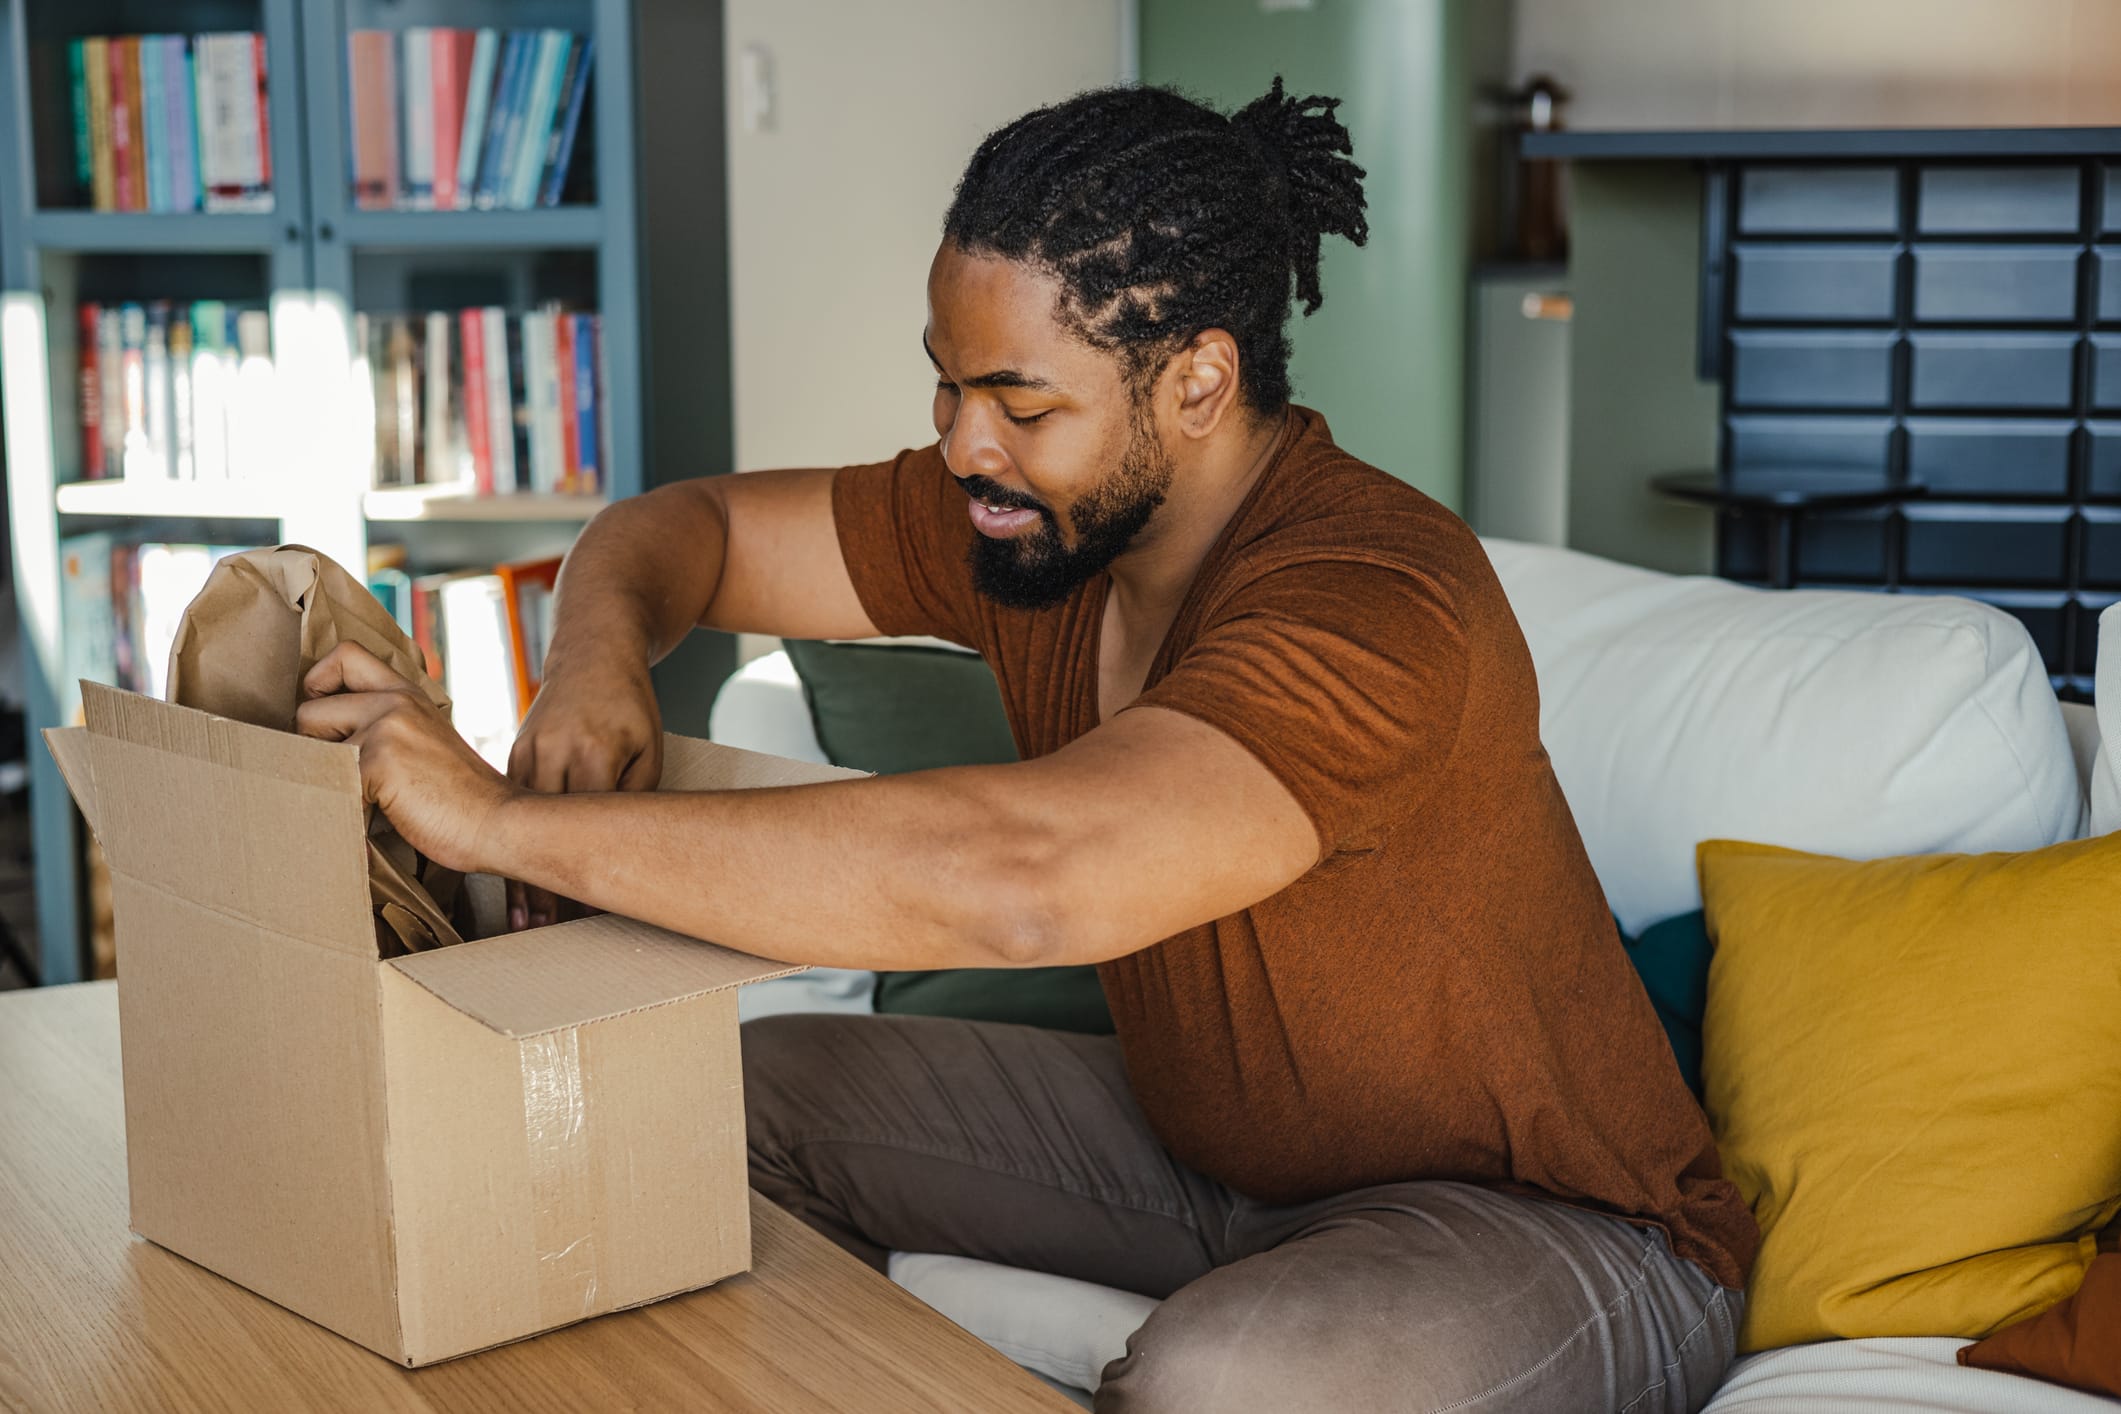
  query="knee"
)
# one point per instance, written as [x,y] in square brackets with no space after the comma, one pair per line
[1195,1355]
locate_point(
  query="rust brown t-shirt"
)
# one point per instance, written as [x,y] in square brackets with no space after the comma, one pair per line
[1444,994]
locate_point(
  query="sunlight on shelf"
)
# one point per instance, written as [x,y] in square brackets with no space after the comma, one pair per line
[23,381]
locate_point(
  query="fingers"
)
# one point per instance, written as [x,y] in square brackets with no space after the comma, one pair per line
[339,717]
[351,668]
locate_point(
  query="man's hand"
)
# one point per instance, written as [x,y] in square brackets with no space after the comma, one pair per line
[595,726]
[425,778]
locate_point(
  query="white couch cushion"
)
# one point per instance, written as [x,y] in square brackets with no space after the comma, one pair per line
[1066,1330]
[2106,771]
[1912,1376]
[1678,709]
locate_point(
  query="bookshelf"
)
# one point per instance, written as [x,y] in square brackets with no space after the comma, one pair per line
[651,219]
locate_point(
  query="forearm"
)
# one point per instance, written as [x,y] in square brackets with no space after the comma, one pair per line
[908,872]
[640,577]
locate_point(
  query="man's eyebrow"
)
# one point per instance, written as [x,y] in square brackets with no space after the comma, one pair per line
[1000,378]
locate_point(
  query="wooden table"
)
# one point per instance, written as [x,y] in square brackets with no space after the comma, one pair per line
[93,1318]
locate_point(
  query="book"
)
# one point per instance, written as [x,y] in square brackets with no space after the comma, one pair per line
[254,445]
[95,63]
[561,153]
[183,436]
[502,381]
[527,588]
[180,115]
[478,426]
[505,125]
[154,137]
[541,398]
[77,96]
[110,378]
[88,389]
[133,370]
[440,410]
[477,664]
[588,455]
[478,90]
[234,121]
[416,130]
[400,457]
[373,86]
[452,60]
[123,112]
[570,468]
[154,367]
[526,156]
[170,577]
[89,626]
[427,622]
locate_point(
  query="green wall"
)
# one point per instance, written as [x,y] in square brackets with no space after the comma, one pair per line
[1636,407]
[1384,356]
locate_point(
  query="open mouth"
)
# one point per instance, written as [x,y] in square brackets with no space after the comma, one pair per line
[999,520]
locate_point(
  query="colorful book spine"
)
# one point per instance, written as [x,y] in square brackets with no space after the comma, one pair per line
[416,128]
[526,162]
[587,455]
[478,429]
[373,88]
[154,136]
[89,389]
[500,398]
[161,439]
[570,412]
[448,113]
[110,375]
[95,63]
[123,152]
[77,95]
[563,136]
[262,170]
[212,381]
[183,436]
[505,124]
[133,370]
[181,115]
[135,120]
[478,102]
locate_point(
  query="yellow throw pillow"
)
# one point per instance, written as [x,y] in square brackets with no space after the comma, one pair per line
[1914,1074]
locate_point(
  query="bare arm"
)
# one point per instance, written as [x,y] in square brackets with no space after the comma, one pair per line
[1151,824]
[756,552]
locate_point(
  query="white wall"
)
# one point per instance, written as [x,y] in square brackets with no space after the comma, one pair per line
[1827,63]
[836,203]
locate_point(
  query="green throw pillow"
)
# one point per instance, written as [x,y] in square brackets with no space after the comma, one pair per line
[893,709]
[1672,958]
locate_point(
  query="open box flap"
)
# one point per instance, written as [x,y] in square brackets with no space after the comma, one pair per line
[692,764]
[257,824]
[573,973]
[69,747]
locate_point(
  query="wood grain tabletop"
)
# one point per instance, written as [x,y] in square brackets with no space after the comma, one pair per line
[94,1318]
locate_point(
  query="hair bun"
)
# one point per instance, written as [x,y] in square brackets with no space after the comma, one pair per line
[1306,146]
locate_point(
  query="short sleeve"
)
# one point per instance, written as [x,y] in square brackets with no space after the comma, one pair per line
[1347,679]
[905,537]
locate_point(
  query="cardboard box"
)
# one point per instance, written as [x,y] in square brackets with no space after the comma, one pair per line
[430,1155]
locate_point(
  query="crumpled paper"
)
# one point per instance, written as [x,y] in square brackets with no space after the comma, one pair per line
[261,623]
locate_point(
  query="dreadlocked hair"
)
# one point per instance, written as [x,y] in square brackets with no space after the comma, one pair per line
[1162,218]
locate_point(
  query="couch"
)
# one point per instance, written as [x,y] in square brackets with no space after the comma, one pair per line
[1675,709]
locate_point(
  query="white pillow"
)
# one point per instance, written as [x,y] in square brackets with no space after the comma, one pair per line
[1678,709]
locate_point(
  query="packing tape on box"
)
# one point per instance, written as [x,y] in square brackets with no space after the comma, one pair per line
[556,1122]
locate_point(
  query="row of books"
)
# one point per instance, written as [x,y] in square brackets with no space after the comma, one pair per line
[120,601]
[171,122]
[486,400]
[483,633]
[174,391]
[456,119]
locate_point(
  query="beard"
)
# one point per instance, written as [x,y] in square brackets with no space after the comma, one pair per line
[1037,570]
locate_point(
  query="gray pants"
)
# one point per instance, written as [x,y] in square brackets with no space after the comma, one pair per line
[1025,1147]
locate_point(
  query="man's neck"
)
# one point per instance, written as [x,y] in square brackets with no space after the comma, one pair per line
[1150,580]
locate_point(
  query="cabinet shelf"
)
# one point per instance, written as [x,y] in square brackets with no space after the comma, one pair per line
[540,226]
[117,231]
[187,500]
[415,503]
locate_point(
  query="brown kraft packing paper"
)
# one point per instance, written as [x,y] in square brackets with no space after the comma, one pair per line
[262,622]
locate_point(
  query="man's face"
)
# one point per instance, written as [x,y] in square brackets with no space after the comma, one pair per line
[1060,460]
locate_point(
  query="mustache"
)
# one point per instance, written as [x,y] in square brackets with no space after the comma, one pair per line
[986,488]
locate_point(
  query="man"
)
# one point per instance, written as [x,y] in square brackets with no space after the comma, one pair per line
[1388,1120]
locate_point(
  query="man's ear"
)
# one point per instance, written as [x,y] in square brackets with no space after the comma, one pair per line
[1205,372]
